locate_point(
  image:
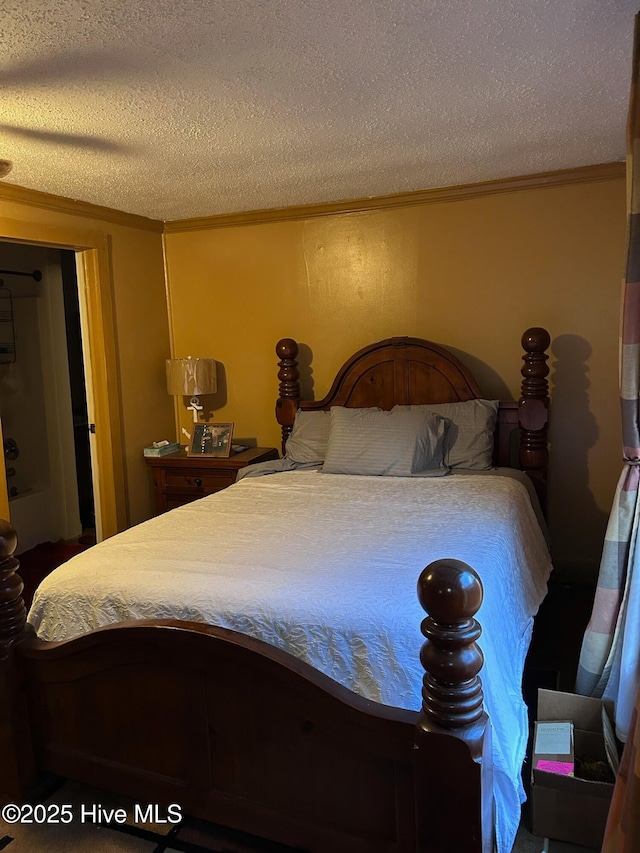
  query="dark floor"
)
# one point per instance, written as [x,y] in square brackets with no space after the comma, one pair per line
[40,561]
[552,662]
[557,638]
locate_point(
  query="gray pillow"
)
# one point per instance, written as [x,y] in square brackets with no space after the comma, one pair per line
[309,437]
[375,442]
[470,438]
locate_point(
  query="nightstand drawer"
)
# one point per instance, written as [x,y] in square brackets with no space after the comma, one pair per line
[204,482]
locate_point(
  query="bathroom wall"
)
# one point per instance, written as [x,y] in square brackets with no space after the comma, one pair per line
[35,402]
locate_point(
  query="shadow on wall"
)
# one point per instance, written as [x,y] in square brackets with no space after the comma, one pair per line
[305,359]
[577,524]
[490,383]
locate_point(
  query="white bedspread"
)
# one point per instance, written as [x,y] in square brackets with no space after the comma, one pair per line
[322,566]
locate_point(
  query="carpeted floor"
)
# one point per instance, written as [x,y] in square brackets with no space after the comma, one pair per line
[88,830]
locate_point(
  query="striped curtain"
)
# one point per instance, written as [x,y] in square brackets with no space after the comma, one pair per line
[610,657]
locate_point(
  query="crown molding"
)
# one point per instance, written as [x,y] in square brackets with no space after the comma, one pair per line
[564,177]
[541,180]
[60,204]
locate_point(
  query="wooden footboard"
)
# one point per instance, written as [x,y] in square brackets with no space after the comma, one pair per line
[243,734]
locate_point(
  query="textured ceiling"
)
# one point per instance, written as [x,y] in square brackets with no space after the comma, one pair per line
[181,108]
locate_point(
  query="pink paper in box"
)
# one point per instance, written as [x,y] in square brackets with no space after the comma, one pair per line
[564,768]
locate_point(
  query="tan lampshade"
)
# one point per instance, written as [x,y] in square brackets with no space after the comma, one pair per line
[191,377]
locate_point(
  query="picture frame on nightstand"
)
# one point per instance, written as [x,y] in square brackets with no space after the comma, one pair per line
[210,439]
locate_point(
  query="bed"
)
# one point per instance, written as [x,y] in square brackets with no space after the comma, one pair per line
[305,724]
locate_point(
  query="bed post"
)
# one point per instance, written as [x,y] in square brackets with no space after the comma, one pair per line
[533,409]
[289,388]
[454,802]
[16,753]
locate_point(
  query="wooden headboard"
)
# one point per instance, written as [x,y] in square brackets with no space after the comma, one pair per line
[403,371]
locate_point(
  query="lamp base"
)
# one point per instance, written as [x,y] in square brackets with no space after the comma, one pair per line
[195,407]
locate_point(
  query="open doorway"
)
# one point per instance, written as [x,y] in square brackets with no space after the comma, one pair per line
[43,403]
[81,425]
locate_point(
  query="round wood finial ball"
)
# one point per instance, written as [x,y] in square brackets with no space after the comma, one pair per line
[535,339]
[449,590]
[286,348]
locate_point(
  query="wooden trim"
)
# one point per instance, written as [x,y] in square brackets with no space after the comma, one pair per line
[60,204]
[462,192]
[103,387]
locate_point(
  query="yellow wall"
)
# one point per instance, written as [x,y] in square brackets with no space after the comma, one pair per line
[470,273]
[133,291]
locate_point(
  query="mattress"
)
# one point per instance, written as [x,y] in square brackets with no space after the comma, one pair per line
[325,567]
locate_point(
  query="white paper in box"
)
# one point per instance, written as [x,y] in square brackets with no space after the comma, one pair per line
[553,747]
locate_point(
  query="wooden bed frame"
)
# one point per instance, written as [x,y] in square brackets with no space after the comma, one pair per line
[245,735]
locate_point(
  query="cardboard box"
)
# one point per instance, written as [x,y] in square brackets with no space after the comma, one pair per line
[566,807]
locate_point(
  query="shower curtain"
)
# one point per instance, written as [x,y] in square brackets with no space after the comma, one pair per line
[610,656]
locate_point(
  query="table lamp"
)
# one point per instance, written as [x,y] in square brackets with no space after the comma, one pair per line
[191,377]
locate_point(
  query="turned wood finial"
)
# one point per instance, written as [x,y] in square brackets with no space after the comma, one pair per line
[533,412]
[289,387]
[535,342]
[451,593]
[13,614]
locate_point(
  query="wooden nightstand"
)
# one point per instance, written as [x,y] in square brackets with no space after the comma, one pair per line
[179,479]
